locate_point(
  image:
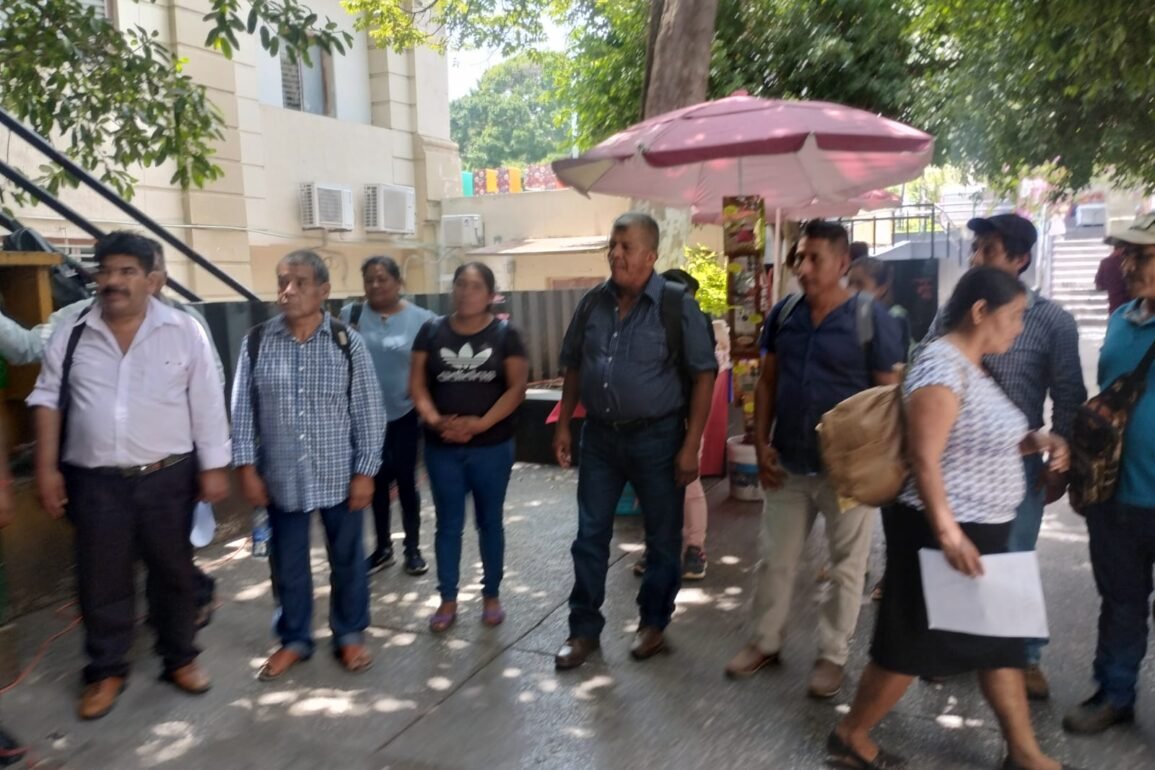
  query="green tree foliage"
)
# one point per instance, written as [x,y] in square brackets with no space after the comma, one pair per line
[1063,85]
[856,52]
[703,263]
[511,116]
[115,99]
[1008,88]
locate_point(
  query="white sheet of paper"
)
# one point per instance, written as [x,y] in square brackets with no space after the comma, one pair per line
[1006,601]
[204,525]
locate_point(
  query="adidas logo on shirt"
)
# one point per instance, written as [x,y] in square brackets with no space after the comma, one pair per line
[464,365]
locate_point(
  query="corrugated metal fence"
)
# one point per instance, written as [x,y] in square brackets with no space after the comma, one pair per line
[541,316]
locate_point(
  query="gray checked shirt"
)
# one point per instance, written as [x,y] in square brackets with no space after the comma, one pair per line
[310,437]
[1045,357]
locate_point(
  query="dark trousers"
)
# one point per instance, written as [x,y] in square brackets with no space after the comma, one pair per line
[399,466]
[1122,558]
[644,458]
[455,473]
[117,520]
[293,576]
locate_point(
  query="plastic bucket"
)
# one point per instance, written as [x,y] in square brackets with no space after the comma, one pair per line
[742,465]
[628,503]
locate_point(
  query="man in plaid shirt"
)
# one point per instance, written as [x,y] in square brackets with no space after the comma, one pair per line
[308,426]
[1044,359]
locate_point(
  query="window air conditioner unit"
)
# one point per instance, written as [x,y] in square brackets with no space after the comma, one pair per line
[390,208]
[462,230]
[326,207]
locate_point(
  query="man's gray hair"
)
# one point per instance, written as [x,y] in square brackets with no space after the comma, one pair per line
[644,222]
[309,258]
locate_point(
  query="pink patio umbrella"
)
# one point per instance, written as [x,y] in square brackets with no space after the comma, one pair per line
[871,201]
[793,154]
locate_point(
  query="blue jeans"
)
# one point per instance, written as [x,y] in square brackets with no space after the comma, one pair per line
[293,577]
[644,458]
[1122,558]
[455,472]
[1025,530]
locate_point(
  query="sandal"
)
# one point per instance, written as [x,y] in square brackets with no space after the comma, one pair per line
[279,663]
[355,658]
[442,620]
[841,754]
[493,615]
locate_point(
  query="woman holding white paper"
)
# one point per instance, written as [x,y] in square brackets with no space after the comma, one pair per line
[964,438]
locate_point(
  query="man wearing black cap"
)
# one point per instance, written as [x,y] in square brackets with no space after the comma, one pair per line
[1044,359]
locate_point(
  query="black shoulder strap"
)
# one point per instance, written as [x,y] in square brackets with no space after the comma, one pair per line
[254,350]
[787,308]
[355,313]
[671,314]
[341,337]
[64,395]
[585,309]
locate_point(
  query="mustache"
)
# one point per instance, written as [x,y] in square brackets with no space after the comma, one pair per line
[108,291]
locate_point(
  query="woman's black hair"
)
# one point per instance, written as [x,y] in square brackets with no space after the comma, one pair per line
[986,284]
[387,263]
[482,270]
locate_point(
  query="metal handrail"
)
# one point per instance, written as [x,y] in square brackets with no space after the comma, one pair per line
[65,211]
[42,144]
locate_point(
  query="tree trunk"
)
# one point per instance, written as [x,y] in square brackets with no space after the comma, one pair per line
[679,41]
[678,57]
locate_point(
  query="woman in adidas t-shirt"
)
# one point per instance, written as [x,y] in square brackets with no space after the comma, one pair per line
[467,379]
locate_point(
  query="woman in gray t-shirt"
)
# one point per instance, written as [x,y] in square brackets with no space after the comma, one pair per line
[965,440]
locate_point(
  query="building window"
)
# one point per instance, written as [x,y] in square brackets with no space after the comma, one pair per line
[105,8]
[308,88]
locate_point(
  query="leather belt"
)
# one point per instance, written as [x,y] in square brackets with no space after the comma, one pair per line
[632,426]
[135,471]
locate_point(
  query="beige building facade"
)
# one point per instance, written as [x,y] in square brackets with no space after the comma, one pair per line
[548,239]
[371,118]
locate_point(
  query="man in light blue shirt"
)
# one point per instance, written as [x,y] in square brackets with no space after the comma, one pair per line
[1122,531]
[307,432]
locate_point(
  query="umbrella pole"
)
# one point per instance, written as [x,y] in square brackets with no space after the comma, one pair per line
[779,268]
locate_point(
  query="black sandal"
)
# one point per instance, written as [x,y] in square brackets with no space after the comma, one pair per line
[842,755]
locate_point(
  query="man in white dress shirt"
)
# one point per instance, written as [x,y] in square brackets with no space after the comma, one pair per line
[128,391]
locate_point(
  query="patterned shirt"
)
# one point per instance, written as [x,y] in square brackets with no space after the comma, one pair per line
[1044,357]
[982,466]
[312,434]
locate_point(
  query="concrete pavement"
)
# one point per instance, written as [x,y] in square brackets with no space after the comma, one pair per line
[479,698]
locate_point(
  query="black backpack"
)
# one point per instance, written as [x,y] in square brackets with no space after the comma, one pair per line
[670,311]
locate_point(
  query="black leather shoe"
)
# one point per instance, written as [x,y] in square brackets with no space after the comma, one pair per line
[1095,715]
[841,754]
[1011,764]
[648,642]
[574,652]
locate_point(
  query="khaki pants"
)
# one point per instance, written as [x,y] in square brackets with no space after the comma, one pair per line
[788,516]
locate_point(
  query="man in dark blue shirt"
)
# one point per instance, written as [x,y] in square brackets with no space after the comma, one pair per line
[646,409]
[818,349]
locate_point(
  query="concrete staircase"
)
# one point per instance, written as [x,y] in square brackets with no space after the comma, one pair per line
[1073,266]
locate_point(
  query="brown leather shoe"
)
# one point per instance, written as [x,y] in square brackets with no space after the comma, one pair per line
[648,642]
[190,677]
[826,679]
[98,698]
[278,663]
[574,652]
[749,661]
[1037,686]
